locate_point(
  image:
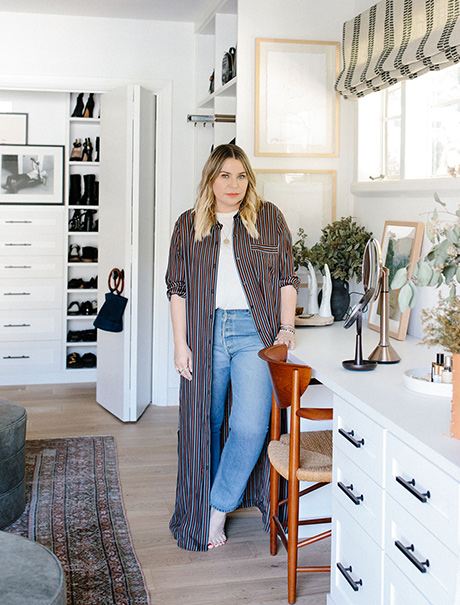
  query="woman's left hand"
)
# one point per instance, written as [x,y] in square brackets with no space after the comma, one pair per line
[285,338]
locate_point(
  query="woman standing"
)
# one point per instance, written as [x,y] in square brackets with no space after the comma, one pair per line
[233,291]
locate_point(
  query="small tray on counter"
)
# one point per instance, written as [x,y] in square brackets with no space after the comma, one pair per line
[418,380]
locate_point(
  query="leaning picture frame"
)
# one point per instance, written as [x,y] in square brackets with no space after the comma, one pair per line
[401,246]
[32,174]
[307,198]
[14,128]
[297,108]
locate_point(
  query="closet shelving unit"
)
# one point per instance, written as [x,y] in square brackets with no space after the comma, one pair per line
[82,128]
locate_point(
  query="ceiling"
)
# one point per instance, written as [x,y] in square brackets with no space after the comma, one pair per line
[158,10]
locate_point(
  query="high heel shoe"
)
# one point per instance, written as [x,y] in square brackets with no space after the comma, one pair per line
[88,113]
[88,221]
[87,151]
[78,111]
[97,149]
[77,151]
[75,223]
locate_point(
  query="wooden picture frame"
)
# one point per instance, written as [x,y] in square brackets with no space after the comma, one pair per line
[14,128]
[401,246]
[297,108]
[307,198]
[32,174]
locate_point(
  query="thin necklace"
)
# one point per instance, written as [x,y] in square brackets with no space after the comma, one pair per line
[227,235]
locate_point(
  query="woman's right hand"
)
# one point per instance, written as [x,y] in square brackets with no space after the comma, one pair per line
[183,361]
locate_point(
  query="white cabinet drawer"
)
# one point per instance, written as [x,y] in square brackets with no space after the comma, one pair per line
[397,589]
[31,267]
[357,563]
[31,294]
[360,438]
[426,562]
[429,494]
[31,220]
[359,495]
[31,325]
[30,357]
[19,245]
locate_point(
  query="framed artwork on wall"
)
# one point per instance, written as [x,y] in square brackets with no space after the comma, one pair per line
[401,245]
[14,128]
[297,108]
[32,174]
[306,198]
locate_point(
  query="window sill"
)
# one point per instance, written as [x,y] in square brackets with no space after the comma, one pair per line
[408,188]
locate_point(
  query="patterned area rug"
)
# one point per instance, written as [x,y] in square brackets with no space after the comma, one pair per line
[74,507]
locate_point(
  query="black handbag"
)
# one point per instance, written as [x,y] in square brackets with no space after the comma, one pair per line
[229,65]
[110,316]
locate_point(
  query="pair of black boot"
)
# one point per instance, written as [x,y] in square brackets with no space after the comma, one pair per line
[81,110]
[90,196]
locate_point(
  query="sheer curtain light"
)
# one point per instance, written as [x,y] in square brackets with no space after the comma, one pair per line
[397,40]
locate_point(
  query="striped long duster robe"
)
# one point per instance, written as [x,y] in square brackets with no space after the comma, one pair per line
[265,265]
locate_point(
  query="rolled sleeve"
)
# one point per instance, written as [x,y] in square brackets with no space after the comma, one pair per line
[175,273]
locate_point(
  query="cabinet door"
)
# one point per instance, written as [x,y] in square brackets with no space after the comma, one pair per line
[124,372]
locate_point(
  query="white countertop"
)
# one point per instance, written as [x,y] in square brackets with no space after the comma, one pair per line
[419,420]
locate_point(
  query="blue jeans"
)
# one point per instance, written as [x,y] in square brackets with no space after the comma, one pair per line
[234,358]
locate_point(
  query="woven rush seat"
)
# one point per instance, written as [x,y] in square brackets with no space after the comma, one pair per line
[13,420]
[315,456]
[30,574]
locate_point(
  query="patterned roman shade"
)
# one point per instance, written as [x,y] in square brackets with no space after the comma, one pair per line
[397,40]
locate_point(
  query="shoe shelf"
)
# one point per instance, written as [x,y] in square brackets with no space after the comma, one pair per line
[82,230]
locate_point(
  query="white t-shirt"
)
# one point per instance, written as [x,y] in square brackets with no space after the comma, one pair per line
[229,291]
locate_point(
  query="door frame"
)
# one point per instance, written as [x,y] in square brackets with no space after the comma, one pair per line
[163,170]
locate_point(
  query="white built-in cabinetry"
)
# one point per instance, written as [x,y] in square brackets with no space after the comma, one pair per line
[214,38]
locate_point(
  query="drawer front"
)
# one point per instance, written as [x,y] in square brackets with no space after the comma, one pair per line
[28,267]
[421,557]
[397,589]
[356,562]
[31,325]
[19,245]
[429,494]
[31,220]
[360,438]
[30,357]
[359,495]
[30,294]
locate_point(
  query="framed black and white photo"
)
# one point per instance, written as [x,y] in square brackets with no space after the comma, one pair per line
[13,128]
[32,174]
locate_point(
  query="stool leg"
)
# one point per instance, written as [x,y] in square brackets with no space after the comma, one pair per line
[293,532]
[274,509]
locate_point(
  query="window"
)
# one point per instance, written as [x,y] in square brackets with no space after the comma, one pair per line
[411,130]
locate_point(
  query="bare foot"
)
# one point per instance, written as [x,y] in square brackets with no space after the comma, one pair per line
[216,535]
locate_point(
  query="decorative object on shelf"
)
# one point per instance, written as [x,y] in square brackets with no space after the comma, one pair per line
[14,128]
[401,245]
[89,108]
[79,107]
[341,246]
[211,82]
[110,317]
[296,105]
[317,315]
[32,174]
[229,65]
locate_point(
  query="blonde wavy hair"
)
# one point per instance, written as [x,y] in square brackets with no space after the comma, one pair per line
[205,206]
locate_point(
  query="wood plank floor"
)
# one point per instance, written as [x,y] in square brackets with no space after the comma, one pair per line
[240,572]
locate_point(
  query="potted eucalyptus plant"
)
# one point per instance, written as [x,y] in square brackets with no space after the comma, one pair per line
[341,246]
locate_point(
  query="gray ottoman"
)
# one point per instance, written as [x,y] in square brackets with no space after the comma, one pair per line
[30,574]
[13,419]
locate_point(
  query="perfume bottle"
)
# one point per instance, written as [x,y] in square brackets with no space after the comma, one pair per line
[447,376]
[437,367]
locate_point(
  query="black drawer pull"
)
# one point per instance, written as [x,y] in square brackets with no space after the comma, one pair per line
[16,357]
[346,571]
[350,435]
[18,267]
[18,244]
[410,486]
[348,490]
[408,550]
[16,294]
[16,325]
[19,222]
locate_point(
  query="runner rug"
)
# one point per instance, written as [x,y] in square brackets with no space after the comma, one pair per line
[74,507]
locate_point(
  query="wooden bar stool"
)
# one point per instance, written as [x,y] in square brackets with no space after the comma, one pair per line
[297,456]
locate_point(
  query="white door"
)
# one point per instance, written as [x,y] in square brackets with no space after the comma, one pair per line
[126,230]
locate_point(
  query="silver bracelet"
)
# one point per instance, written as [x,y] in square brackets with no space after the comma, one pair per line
[287,330]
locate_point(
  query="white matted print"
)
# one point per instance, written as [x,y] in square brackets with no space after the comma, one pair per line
[306,198]
[13,128]
[296,105]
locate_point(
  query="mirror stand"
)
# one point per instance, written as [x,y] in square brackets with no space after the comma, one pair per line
[384,352]
[358,363]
